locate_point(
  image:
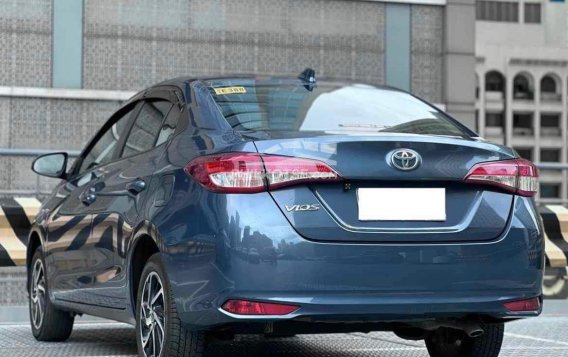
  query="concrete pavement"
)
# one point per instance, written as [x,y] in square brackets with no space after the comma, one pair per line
[544,336]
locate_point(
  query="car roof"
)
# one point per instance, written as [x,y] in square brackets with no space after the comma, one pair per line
[183,81]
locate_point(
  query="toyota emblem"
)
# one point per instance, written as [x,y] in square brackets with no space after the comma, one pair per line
[405,159]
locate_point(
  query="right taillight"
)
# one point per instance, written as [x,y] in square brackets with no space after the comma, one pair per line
[518,176]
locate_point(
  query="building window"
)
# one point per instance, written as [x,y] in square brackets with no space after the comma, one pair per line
[532,13]
[550,190]
[548,85]
[503,11]
[550,124]
[494,120]
[549,89]
[522,87]
[494,82]
[525,153]
[494,124]
[523,124]
[550,155]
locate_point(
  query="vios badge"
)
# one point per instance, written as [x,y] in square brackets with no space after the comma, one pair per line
[302,208]
[405,159]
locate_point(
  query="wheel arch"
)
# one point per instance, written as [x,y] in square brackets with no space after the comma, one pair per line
[35,241]
[145,245]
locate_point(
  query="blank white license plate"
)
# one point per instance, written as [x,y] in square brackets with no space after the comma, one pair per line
[402,204]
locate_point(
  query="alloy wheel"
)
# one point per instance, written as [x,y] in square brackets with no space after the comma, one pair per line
[152,316]
[38,296]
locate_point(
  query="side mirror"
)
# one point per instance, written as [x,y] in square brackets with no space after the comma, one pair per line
[51,165]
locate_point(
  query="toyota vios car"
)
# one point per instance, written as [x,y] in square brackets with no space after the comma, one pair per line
[279,206]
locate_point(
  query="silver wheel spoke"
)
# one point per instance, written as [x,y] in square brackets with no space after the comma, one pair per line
[37,274]
[41,288]
[146,338]
[158,294]
[153,341]
[159,324]
[143,310]
[149,292]
[40,309]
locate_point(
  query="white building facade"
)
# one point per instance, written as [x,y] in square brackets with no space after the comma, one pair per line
[522,79]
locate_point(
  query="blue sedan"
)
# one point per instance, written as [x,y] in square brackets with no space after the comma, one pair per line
[206,208]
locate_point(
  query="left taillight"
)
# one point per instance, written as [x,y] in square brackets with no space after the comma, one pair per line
[518,176]
[251,172]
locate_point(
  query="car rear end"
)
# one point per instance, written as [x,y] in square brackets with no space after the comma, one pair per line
[351,208]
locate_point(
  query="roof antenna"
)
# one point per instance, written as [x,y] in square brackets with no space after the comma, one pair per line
[308,76]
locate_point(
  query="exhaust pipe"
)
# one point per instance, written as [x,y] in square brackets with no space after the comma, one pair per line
[473,331]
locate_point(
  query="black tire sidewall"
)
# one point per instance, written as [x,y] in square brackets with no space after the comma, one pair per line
[154,264]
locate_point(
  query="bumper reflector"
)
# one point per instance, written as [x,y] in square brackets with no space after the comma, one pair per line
[523,305]
[245,307]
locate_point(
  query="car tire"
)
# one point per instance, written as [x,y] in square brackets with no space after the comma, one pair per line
[156,313]
[48,323]
[452,343]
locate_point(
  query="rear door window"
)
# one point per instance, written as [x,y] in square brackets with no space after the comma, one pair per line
[169,126]
[103,150]
[146,127]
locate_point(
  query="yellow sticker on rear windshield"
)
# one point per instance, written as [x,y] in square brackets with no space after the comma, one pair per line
[230,90]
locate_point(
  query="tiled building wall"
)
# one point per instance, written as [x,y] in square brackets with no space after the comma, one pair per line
[426,52]
[25,43]
[39,123]
[126,45]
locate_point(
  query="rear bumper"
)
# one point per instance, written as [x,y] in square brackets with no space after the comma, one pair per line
[363,309]
[255,254]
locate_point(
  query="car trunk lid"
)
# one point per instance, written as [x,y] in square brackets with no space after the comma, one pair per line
[331,211]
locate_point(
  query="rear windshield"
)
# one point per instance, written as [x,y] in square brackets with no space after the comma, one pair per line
[249,105]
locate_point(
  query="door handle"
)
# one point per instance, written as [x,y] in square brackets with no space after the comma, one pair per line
[136,187]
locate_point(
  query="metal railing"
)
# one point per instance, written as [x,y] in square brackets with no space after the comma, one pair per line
[35,152]
[562,167]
